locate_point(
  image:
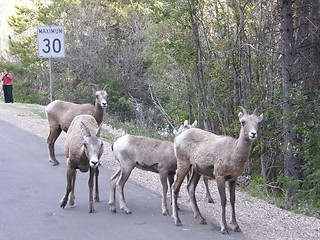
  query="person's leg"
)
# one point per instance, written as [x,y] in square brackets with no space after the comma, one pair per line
[10,96]
[5,92]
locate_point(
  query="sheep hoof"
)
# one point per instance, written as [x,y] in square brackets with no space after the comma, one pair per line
[97,199]
[210,200]
[63,203]
[126,210]
[54,162]
[177,222]
[225,232]
[235,227]
[203,222]
[165,213]
[92,210]
[113,208]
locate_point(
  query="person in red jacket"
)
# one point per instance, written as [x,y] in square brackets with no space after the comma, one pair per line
[7,86]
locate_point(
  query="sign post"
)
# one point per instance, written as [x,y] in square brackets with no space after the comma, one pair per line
[51,45]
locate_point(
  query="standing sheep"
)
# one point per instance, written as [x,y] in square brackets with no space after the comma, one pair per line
[60,115]
[83,149]
[221,157]
[146,154]
[184,127]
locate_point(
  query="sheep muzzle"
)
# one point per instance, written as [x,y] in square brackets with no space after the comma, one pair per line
[94,163]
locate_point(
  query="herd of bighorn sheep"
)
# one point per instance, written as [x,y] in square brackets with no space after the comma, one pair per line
[194,152]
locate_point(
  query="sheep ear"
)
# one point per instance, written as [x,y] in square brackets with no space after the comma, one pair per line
[260,118]
[99,130]
[194,124]
[240,115]
[175,132]
[185,123]
[84,131]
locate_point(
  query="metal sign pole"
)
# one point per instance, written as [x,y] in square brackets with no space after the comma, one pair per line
[51,79]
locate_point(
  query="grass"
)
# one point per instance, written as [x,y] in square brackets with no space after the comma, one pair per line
[26,109]
[135,128]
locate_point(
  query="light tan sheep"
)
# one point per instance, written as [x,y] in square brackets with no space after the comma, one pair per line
[83,149]
[221,157]
[147,154]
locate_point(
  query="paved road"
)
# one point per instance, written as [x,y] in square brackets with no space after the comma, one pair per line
[31,190]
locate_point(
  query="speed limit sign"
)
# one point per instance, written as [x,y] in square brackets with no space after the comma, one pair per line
[50,41]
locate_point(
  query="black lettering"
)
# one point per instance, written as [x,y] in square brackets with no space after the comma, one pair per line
[56,45]
[47,50]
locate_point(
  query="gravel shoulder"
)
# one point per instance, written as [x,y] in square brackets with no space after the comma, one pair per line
[257,218]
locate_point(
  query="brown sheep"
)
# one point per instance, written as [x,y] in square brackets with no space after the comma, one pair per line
[220,157]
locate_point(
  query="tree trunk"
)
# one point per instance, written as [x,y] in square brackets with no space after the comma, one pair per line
[291,162]
[315,54]
[201,81]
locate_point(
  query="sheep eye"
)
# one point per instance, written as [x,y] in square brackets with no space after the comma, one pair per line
[243,123]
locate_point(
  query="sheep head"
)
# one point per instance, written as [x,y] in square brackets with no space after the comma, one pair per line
[101,98]
[249,124]
[101,95]
[185,126]
[93,145]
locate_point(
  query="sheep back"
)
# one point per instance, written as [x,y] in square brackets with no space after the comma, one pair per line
[196,145]
[147,153]
[63,113]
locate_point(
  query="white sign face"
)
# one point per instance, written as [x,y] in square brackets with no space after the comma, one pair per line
[50,41]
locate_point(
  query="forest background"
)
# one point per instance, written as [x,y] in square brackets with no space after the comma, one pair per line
[170,60]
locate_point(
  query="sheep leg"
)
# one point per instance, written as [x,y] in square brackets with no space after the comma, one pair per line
[164,183]
[73,184]
[97,195]
[192,184]
[90,184]
[70,177]
[124,175]
[170,181]
[112,194]
[53,135]
[182,171]
[222,192]
[208,195]
[232,191]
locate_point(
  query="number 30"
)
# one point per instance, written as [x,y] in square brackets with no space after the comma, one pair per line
[56,45]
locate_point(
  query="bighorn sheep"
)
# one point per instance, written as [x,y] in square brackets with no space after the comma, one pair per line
[60,115]
[184,127]
[221,157]
[83,149]
[147,154]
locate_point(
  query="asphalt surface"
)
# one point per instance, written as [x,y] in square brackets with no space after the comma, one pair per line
[31,189]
